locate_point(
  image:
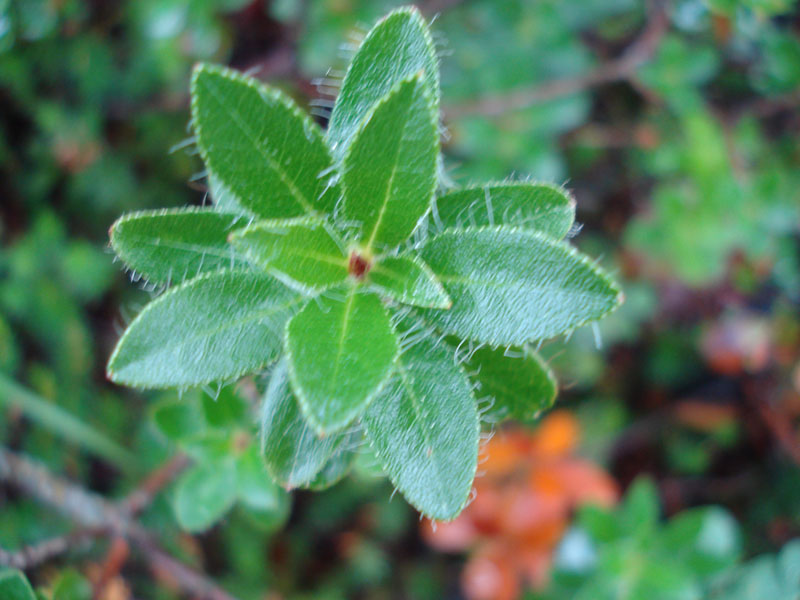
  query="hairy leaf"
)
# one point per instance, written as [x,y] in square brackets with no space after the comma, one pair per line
[204,494]
[215,327]
[540,206]
[519,382]
[424,429]
[174,245]
[224,200]
[293,452]
[409,280]
[339,464]
[302,253]
[260,146]
[389,173]
[398,47]
[341,350]
[511,286]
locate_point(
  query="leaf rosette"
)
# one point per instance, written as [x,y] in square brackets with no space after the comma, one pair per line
[335,259]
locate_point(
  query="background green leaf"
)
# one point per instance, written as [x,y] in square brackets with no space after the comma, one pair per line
[14,586]
[205,493]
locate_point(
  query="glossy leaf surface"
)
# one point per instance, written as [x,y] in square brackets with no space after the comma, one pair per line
[424,429]
[539,206]
[215,327]
[409,280]
[511,286]
[398,47]
[293,452]
[173,245]
[389,172]
[302,253]
[256,142]
[341,350]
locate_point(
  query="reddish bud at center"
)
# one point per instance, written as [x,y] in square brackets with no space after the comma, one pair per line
[358,266]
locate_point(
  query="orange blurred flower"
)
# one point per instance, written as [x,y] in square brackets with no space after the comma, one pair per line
[531,484]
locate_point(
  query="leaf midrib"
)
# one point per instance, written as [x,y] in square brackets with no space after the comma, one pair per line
[390,181]
[276,166]
[340,350]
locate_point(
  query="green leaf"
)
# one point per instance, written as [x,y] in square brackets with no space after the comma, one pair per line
[409,280]
[225,409]
[640,509]
[178,419]
[224,200]
[424,429]
[71,585]
[389,172]
[256,489]
[293,453]
[339,464]
[303,253]
[540,206]
[204,494]
[173,245]
[260,145]
[511,286]
[215,327]
[341,351]
[518,380]
[396,48]
[14,586]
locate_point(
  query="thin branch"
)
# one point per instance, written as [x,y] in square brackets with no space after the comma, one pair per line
[143,496]
[619,69]
[32,556]
[91,511]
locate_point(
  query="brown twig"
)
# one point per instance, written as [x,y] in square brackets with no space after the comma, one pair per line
[94,512]
[143,496]
[619,69]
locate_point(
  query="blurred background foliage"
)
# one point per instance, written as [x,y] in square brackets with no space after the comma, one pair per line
[671,467]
